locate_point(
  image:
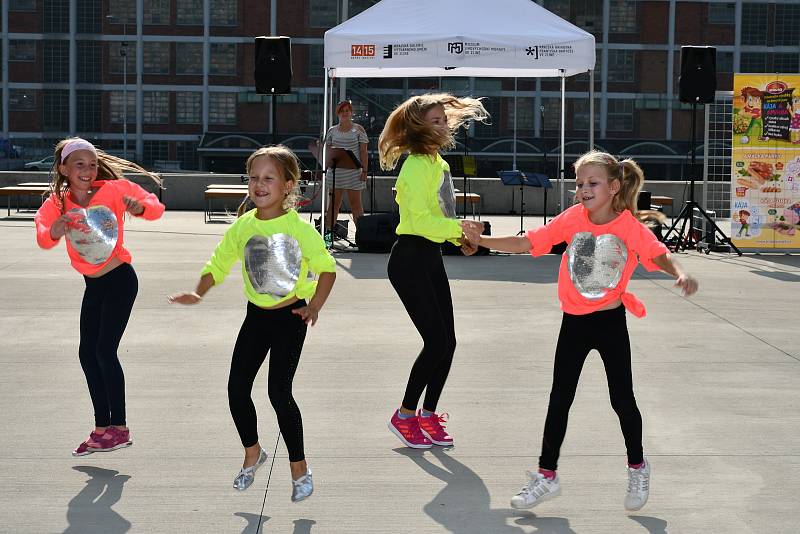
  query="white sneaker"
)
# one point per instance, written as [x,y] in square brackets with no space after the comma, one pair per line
[539,488]
[638,487]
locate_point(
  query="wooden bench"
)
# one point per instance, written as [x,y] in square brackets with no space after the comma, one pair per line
[211,194]
[18,191]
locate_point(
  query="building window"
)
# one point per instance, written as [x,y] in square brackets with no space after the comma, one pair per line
[753,62]
[323,13]
[56,16]
[89,16]
[724,62]
[721,13]
[558,7]
[223,13]
[115,110]
[189,58]
[552,113]
[580,114]
[156,57]
[188,106]
[786,63]
[55,110]
[21,100]
[222,108]
[357,6]
[223,59]
[787,24]
[89,110]
[56,61]
[313,111]
[623,16]
[22,5]
[621,65]
[588,14]
[524,112]
[117,52]
[493,105]
[157,11]
[21,50]
[189,12]
[187,154]
[755,25]
[155,107]
[90,59]
[155,150]
[620,115]
[316,60]
[123,11]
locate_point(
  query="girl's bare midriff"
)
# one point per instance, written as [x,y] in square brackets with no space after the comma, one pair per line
[280,304]
[107,268]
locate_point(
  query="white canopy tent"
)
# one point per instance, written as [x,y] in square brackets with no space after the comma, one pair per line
[501,38]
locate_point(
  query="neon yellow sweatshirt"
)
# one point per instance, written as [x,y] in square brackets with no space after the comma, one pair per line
[427,199]
[279,257]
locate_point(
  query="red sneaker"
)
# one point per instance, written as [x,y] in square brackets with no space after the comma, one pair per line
[84,448]
[407,431]
[113,439]
[433,428]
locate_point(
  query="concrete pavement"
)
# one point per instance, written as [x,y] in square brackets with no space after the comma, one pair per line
[716,379]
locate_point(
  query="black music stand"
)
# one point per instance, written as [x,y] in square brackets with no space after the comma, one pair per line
[456,163]
[531,179]
[338,158]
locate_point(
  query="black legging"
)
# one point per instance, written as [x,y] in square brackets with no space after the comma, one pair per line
[417,273]
[106,308]
[281,333]
[607,332]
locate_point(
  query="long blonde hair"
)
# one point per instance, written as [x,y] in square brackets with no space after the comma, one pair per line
[407,131]
[108,168]
[630,177]
[289,167]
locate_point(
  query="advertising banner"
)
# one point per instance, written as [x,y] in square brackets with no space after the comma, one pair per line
[765,162]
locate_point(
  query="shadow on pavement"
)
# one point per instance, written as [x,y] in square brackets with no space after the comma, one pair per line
[464,505]
[252,522]
[653,525]
[90,510]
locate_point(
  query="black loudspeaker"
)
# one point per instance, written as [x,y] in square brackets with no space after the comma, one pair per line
[697,82]
[273,72]
[449,249]
[376,233]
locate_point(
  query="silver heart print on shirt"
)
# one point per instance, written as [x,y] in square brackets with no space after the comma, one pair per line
[273,264]
[595,264]
[447,196]
[93,233]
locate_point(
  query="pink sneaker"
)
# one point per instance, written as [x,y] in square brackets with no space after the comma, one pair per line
[113,439]
[407,431]
[433,428]
[84,448]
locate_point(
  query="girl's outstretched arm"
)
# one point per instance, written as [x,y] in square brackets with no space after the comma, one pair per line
[206,282]
[682,279]
[516,244]
[310,313]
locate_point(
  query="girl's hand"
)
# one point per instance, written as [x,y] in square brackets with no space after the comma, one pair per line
[59,227]
[688,284]
[309,314]
[132,206]
[472,230]
[363,176]
[184,298]
[468,248]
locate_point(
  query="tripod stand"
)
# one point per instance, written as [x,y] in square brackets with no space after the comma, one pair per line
[686,238]
[531,179]
[338,158]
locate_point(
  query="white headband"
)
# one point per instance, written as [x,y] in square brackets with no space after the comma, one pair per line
[77,144]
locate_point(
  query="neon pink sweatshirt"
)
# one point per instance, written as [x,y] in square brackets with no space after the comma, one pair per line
[639,241]
[108,199]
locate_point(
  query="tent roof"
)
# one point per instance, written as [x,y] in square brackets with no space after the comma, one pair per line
[411,38]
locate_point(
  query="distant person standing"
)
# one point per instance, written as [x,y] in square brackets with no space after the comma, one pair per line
[352,137]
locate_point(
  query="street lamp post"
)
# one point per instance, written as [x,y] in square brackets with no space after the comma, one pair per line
[123,53]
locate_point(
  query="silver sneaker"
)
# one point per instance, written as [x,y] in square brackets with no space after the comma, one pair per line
[539,488]
[247,475]
[638,487]
[303,487]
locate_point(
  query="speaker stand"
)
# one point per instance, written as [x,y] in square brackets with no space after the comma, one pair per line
[686,239]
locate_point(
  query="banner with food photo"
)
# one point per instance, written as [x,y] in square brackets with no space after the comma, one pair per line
[765,166]
[765,201]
